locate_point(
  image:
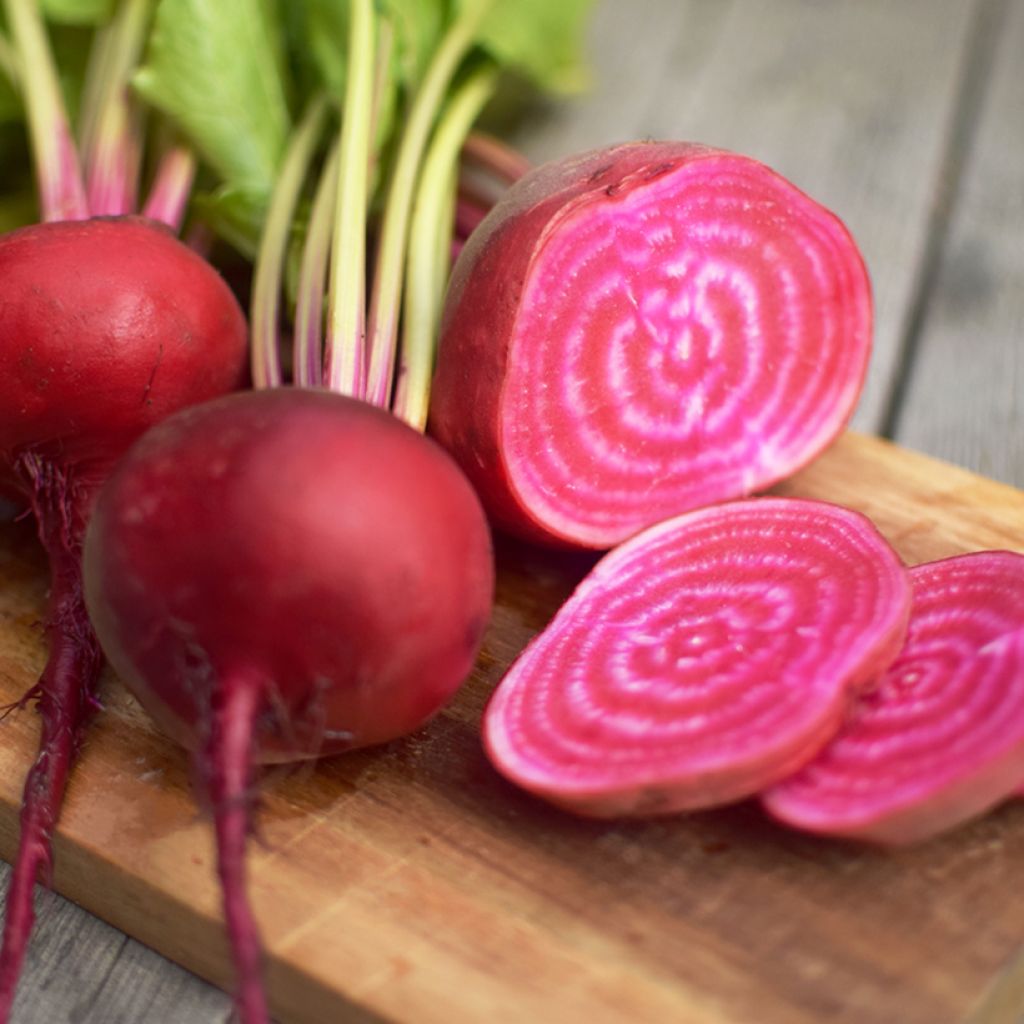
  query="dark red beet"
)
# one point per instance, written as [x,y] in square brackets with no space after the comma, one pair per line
[280,575]
[701,659]
[940,738]
[106,326]
[644,330]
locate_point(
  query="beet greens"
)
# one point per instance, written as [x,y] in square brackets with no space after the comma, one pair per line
[348,188]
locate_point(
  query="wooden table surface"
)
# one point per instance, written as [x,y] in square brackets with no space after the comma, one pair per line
[906,117]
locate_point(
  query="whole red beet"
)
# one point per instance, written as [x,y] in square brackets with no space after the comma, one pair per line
[106,326]
[279,575]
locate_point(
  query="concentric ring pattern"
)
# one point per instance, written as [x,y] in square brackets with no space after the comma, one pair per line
[690,338]
[702,660]
[941,737]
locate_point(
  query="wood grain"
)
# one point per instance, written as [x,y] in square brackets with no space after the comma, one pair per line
[412,884]
[965,400]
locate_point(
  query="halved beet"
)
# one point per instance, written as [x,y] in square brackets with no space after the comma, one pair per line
[644,330]
[702,660]
[940,738]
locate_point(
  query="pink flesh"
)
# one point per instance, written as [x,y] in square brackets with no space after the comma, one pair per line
[701,660]
[940,739]
[692,338]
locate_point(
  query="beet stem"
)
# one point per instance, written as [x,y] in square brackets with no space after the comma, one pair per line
[264,312]
[382,320]
[172,185]
[345,363]
[58,173]
[430,234]
[469,212]
[65,697]
[228,767]
[496,156]
[111,152]
[308,337]
[9,61]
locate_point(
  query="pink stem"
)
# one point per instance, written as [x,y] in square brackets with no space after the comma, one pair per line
[468,215]
[112,177]
[65,697]
[495,156]
[228,763]
[200,238]
[61,191]
[172,184]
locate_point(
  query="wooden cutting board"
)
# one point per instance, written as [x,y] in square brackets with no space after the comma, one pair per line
[411,883]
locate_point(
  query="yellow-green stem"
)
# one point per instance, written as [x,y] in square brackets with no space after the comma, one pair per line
[387,283]
[58,174]
[307,356]
[8,61]
[495,155]
[264,312]
[110,148]
[431,219]
[346,313]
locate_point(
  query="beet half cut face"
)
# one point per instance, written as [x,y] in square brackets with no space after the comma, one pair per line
[702,660]
[940,738]
[642,331]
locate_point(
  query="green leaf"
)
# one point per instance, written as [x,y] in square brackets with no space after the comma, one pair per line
[326,33]
[78,12]
[215,67]
[235,213]
[541,39]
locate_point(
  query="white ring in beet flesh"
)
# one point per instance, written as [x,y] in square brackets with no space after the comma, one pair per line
[940,738]
[686,331]
[702,660]
[704,354]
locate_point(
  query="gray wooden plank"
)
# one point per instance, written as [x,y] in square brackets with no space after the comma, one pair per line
[965,396]
[850,100]
[81,971]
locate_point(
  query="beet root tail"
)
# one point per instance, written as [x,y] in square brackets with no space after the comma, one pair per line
[227,768]
[65,697]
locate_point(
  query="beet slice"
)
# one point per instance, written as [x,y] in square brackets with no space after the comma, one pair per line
[940,738]
[644,330]
[703,659]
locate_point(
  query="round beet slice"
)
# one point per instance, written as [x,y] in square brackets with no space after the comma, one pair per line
[940,738]
[645,330]
[702,660]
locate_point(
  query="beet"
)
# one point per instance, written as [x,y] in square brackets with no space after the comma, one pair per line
[939,738]
[281,575]
[106,326]
[702,659]
[644,330]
